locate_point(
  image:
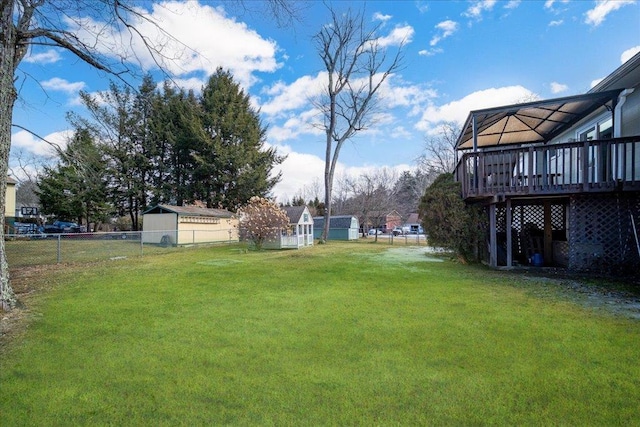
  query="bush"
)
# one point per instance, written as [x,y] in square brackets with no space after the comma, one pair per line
[448,221]
[262,220]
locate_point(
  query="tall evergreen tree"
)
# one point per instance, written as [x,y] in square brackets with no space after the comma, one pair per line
[75,189]
[232,163]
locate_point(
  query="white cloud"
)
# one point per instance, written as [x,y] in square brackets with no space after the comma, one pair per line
[558,87]
[423,7]
[549,3]
[477,7]
[400,132]
[399,95]
[457,111]
[380,17]
[63,85]
[26,141]
[556,23]
[204,38]
[192,83]
[48,57]
[300,171]
[512,4]
[446,29]
[628,54]
[398,36]
[294,96]
[598,14]
[430,52]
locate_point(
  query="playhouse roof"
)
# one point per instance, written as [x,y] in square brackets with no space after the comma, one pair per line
[294,213]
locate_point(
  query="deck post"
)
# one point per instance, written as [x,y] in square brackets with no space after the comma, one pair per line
[530,169]
[493,242]
[509,237]
[548,234]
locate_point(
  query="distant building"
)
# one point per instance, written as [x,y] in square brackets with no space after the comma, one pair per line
[183,225]
[341,227]
[300,231]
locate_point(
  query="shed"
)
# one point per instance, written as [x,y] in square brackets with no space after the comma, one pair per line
[300,231]
[341,227]
[182,225]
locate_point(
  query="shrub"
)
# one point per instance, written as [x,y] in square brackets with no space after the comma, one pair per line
[261,220]
[448,221]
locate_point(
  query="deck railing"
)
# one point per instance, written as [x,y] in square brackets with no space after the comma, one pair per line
[574,167]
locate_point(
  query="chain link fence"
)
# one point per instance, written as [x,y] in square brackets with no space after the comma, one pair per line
[44,249]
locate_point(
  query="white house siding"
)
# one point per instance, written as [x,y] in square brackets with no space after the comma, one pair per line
[631,114]
[157,225]
[631,127]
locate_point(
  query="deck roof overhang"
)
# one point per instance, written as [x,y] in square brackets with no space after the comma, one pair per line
[532,122]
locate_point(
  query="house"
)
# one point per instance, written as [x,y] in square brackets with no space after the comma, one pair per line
[341,227]
[182,225]
[392,220]
[559,179]
[413,224]
[10,204]
[300,231]
[382,220]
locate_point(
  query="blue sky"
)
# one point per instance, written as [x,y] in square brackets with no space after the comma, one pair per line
[459,56]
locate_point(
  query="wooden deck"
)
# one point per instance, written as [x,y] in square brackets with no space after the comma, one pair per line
[552,169]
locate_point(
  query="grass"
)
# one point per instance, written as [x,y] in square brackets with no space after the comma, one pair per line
[338,334]
[36,252]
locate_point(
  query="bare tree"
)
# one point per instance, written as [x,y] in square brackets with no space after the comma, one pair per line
[84,28]
[372,197]
[357,64]
[101,33]
[440,151]
[26,169]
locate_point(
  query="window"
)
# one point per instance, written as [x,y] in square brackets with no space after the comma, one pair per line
[601,128]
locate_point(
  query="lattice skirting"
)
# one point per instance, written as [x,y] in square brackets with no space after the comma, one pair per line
[527,225]
[601,236]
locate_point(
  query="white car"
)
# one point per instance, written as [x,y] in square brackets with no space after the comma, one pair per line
[374,231]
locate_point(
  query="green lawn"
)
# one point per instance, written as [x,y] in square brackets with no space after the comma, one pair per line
[338,334]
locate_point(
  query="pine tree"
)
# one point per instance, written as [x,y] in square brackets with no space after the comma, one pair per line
[232,163]
[75,189]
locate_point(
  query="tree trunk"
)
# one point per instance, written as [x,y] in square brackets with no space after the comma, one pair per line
[10,54]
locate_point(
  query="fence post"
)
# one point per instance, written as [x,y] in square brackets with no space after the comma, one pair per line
[141,243]
[59,254]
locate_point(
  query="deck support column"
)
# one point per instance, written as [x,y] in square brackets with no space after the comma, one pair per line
[548,234]
[493,241]
[509,237]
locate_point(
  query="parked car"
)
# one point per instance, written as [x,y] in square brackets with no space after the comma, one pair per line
[374,231]
[416,229]
[397,231]
[64,227]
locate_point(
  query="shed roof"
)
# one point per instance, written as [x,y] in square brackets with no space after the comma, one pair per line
[338,221]
[11,180]
[537,121]
[189,211]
